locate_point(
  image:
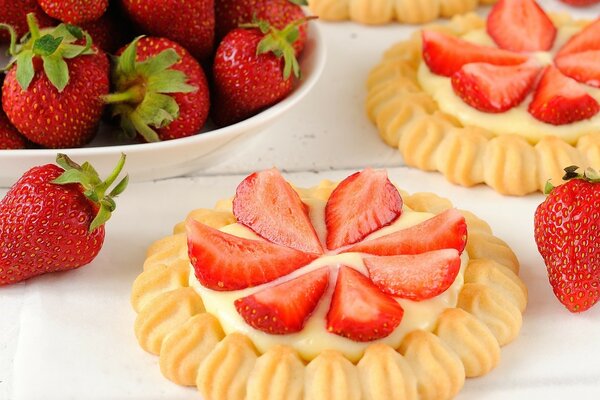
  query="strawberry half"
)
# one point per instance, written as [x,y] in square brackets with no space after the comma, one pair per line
[225,262]
[359,311]
[586,40]
[284,308]
[415,277]
[583,67]
[494,88]
[267,204]
[560,100]
[445,54]
[361,204]
[521,25]
[447,230]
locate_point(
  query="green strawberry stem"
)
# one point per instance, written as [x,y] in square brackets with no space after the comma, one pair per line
[53,46]
[299,2]
[589,175]
[142,100]
[94,188]
[281,43]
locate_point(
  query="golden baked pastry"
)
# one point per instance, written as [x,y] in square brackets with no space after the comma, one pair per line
[440,120]
[375,12]
[203,303]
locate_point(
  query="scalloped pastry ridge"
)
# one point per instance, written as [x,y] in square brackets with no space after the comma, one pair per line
[193,350]
[433,141]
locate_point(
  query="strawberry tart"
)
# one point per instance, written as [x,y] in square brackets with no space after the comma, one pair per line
[509,101]
[374,12]
[341,291]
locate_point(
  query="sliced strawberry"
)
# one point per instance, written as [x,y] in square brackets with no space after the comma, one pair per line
[415,277]
[583,67]
[521,25]
[225,262]
[447,230]
[586,40]
[445,54]
[268,205]
[359,311]
[494,88]
[361,204]
[560,100]
[284,308]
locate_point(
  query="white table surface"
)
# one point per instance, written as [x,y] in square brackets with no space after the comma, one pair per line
[70,335]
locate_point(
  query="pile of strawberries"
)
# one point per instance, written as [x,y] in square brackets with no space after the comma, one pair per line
[176,63]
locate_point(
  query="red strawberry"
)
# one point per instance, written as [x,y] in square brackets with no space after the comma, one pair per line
[560,100]
[415,277]
[252,71]
[189,23]
[14,13]
[581,3]
[230,14]
[10,138]
[493,88]
[361,204]
[521,25]
[53,93]
[226,262]
[359,311]
[74,11]
[447,230]
[583,67]
[161,91]
[445,54]
[586,40]
[53,219]
[284,308]
[567,233]
[268,205]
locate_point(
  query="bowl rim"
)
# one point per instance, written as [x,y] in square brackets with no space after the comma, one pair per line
[299,92]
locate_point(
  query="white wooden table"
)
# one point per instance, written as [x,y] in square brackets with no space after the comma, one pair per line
[70,335]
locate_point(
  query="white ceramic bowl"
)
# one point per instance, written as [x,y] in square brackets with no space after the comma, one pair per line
[149,161]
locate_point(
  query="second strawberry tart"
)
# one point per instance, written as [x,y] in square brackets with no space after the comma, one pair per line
[354,290]
[509,101]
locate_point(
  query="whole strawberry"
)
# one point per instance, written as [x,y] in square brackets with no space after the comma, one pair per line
[74,11]
[230,14]
[161,91]
[53,90]
[14,13]
[567,233]
[53,219]
[10,138]
[253,70]
[189,23]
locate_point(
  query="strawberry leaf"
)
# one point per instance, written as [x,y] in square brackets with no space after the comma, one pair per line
[46,45]
[169,81]
[162,61]
[57,71]
[76,31]
[25,71]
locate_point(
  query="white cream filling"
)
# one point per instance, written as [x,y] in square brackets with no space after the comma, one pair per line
[315,338]
[517,120]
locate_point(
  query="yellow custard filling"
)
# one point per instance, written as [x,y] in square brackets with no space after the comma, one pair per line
[315,338]
[517,120]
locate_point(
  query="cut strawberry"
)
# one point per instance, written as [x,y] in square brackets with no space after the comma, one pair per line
[447,230]
[359,311]
[583,67]
[268,205]
[284,308]
[521,25]
[446,54]
[226,262]
[586,40]
[415,277]
[560,100]
[361,204]
[494,88]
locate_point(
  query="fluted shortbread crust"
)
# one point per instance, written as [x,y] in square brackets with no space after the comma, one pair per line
[194,351]
[375,12]
[408,118]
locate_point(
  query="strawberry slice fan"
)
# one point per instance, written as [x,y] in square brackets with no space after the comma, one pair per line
[416,263]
